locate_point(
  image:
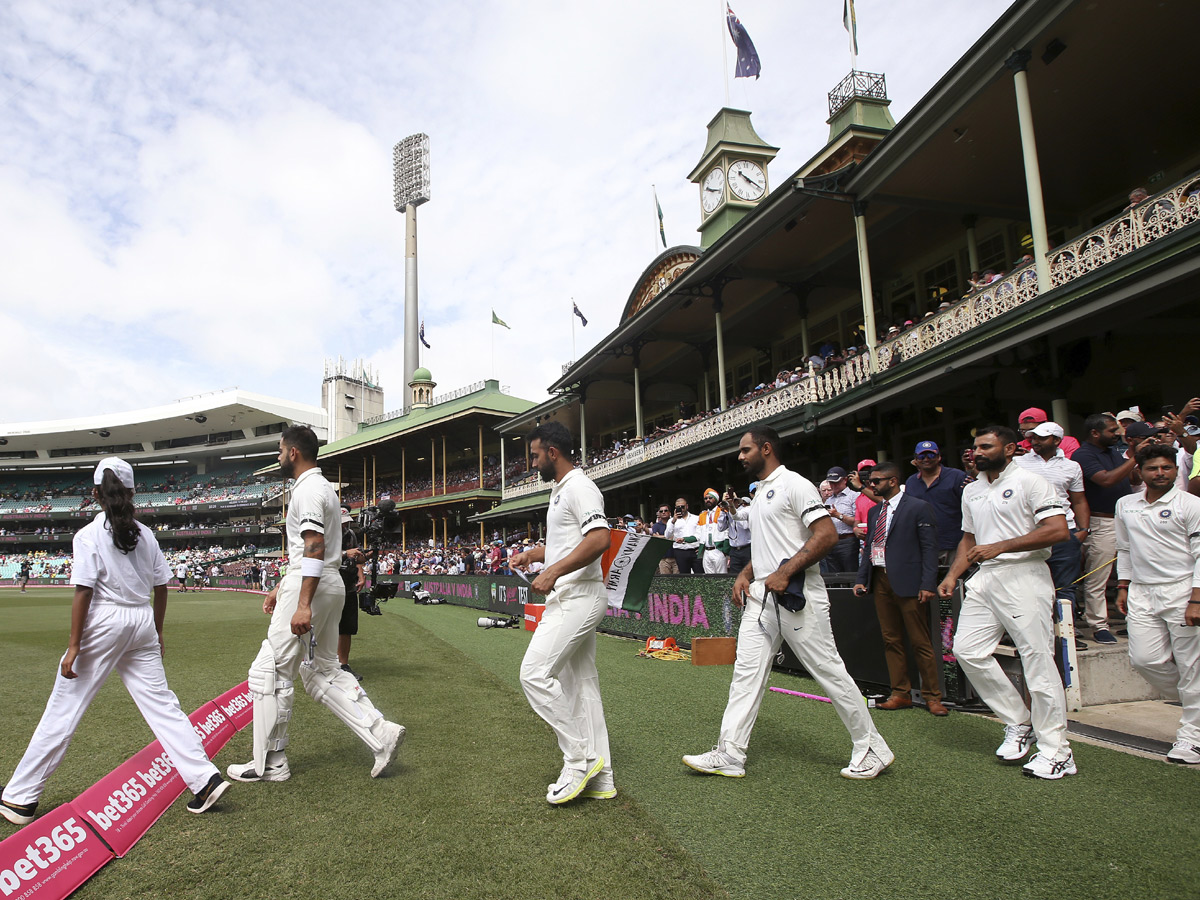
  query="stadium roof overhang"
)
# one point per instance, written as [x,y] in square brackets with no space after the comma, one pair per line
[227,423]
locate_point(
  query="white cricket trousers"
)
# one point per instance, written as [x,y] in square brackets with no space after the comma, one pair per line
[559,677]
[121,638]
[1018,598]
[810,636]
[715,562]
[1164,650]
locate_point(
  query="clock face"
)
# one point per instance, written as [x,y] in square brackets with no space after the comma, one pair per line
[712,190]
[747,180]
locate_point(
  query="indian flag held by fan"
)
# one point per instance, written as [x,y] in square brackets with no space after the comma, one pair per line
[628,565]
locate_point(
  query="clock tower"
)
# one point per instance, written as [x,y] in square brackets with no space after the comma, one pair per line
[731,174]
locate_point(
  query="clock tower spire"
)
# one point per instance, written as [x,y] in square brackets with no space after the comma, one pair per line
[731,174]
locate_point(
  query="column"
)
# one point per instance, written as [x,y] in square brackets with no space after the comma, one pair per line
[503,473]
[433,473]
[340,485]
[481,468]
[637,399]
[723,394]
[403,472]
[804,345]
[365,503]
[972,245]
[1033,175]
[707,392]
[582,430]
[481,534]
[374,486]
[443,464]
[864,277]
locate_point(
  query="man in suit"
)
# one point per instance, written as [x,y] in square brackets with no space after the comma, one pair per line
[900,564]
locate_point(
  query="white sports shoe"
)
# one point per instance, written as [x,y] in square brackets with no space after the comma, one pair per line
[869,765]
[393,737]
[1017,741]
[1184,752]
[246,772]
[1040,766]
[571,782]
[716,762]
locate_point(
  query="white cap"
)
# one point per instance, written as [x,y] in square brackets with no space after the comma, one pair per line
[1048,429]
[1133,414]
[120,468]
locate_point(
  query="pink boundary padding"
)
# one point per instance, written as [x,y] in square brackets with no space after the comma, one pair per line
[113,814]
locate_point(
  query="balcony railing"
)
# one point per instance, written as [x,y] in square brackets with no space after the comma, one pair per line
[1133,229]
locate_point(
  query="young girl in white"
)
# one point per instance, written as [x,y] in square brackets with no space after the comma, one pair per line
[117,564]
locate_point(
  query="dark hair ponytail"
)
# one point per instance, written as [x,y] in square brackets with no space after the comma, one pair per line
[117,502]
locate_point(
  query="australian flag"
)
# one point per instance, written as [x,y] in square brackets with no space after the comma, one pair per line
[747,61]
[421,335]
[575,306]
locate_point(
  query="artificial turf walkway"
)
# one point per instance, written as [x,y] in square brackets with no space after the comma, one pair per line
[464,816]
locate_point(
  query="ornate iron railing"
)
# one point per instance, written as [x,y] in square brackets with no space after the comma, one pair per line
[1150,220]
[871,85]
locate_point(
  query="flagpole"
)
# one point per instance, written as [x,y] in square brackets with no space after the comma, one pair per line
[724,53]
[572,331]
[493,346]
[654,195]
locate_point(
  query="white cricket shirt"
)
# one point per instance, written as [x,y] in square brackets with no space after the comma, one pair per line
[1063,474]
[127,579]
[576,507]
[1158,542]
[1011,506]
[786,504]
[313,506]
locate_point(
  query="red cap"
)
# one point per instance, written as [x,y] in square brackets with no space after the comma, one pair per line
[1038,415]
[865,462]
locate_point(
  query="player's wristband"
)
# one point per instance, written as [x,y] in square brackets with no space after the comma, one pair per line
[311,568]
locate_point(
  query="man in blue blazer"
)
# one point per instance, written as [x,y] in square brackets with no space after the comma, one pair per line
[900,564]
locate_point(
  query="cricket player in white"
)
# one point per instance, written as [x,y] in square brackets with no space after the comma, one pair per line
[116,567]
[792,533]
[1158,589]
[305,609]
[1011,517]
[558,672]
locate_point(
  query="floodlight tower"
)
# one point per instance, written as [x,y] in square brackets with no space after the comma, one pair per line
[410,171]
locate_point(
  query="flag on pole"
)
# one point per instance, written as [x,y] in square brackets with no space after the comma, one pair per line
[496,320]
[421,335]
[747,61]
[850,22]
[627,567]
[662,233]
[575,306]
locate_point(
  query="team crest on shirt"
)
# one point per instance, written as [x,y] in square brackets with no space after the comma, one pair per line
[770,493]
[1165,514]
[556,499]
[1007,494]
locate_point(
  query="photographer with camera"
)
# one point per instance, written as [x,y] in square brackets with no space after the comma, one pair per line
[682,528]
[354,577]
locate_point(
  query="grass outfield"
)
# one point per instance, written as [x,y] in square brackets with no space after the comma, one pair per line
[463,815]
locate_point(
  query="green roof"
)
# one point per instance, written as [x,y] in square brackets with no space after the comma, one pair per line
[488,399]
[422,374]
[530,503]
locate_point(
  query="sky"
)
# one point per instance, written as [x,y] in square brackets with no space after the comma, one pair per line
[198,195]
